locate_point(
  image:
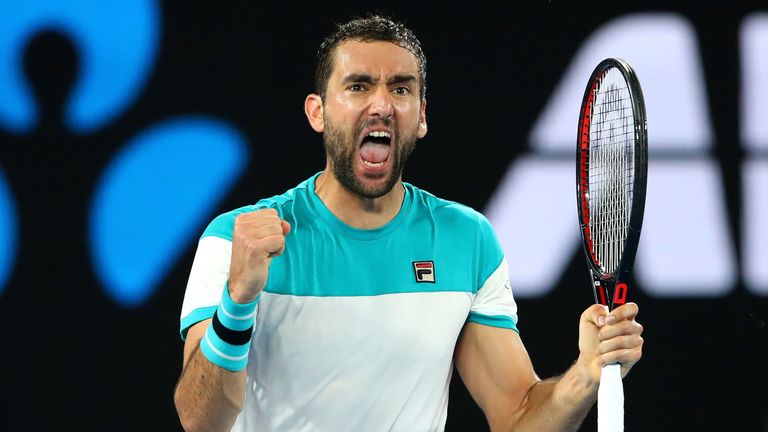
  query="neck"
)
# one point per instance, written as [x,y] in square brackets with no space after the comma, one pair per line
[355,210]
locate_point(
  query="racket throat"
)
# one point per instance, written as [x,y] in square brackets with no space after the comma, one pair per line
[610,292]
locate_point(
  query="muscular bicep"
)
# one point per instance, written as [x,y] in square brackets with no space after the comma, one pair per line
[192,342]
[496,369]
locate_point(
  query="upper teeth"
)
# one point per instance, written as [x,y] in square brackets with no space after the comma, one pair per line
[379,134]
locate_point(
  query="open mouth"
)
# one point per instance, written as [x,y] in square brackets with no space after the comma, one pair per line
[375,148]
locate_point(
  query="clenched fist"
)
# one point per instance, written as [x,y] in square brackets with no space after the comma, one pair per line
[257,238]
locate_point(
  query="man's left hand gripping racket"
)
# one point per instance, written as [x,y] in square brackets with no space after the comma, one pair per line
[611,170]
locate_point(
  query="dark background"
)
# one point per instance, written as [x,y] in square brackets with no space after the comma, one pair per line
[72,358]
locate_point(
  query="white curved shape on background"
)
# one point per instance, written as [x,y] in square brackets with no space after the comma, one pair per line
[755,232]
[535,219]
[663,51]
[754,85]
[685,249]
[754,135]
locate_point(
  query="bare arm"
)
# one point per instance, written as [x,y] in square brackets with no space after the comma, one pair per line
[497,371]
[207,396]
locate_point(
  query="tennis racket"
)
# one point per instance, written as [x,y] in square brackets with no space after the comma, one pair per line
[611,172]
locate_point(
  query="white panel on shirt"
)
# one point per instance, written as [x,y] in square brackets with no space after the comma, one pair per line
[368,363]
[210,271]
[495,296]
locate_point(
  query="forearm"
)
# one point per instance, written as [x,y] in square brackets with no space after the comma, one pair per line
[558,404]
[207,396]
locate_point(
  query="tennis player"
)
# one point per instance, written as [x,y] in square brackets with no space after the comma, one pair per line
[343,304]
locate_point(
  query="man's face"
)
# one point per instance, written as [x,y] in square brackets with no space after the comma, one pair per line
[372,115]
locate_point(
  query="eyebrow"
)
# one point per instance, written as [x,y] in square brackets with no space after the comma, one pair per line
[368,79]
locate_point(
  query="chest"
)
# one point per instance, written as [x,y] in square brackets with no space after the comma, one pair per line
[416,260]
[401,298]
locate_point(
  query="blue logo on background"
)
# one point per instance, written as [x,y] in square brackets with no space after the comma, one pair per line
[153,197]
[117,45]
[7,231]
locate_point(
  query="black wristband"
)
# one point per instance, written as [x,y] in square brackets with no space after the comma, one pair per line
[232,337]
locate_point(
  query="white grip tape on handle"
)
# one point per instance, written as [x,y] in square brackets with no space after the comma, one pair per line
[610,400]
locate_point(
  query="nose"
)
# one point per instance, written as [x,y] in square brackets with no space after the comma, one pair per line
[381,103]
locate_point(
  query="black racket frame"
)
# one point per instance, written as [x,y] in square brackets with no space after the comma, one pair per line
[611,289]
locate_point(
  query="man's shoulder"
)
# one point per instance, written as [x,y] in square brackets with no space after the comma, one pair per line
[223,224]
[447,211]
[462,228]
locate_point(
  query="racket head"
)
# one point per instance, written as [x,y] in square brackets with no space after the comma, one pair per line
[612,121]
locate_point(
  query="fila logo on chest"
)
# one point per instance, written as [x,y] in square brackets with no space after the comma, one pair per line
[424,271]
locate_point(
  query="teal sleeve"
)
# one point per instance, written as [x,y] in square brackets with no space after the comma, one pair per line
[194,317]
[501,321]
[489,250]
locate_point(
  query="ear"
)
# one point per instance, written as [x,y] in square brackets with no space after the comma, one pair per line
[313,108]
[423,120]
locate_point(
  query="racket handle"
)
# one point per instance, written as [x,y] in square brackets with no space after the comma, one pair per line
[610,400]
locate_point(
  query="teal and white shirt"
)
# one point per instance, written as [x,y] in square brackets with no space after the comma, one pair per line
[355,330]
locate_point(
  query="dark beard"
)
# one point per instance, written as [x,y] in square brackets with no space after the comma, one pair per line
[341,152]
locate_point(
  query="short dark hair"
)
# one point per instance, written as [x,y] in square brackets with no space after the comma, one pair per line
[367,29]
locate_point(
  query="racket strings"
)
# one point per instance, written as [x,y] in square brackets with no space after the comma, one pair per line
[610,169]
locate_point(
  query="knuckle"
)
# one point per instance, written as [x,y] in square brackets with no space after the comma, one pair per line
[268,212]
[627,342]
[602,348]
[274,241]
[595,308]
[238,223]
[239,236]
[243,218]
